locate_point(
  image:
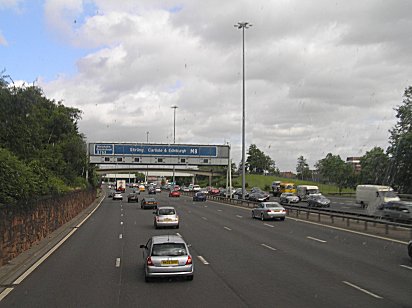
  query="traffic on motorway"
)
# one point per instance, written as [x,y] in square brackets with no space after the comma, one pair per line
[128,256]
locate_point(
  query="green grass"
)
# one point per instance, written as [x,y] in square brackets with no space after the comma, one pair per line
[262,181]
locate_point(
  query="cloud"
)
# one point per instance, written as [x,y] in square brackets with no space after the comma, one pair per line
[320,76]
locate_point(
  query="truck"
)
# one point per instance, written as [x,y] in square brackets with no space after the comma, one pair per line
[372,197]
[276,188]
[120,185]
[287,188]
[303,191]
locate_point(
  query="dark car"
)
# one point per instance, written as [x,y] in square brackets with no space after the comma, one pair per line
[199,196]
[238,194]
[259,196]
[152,191]
[410,249]
[148,203]
[133,197]
[318,201]
[396,211]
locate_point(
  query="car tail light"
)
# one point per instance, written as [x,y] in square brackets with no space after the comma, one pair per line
[149,261]
[268,211]
[189,260]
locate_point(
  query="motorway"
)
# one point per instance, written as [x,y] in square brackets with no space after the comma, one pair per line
[239,262]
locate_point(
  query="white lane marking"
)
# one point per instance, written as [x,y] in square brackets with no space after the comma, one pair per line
[204,218]
[219,210]
[121,222]
[350,231]
[227,228]
[316,239]
[362,290]
[205,205]
[121,215]
[269,247]
[5,293]
[203,260]
[272,226]
[120,236]
[405,266]
[326,226]
[42,259]
[117,262]
[178,234]
[239,216]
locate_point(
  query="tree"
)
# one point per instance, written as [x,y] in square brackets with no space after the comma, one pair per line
[257,161]
[400,146]
[375,165]
[302,168]
[334,170]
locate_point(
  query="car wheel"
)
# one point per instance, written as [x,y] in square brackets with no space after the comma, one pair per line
[262,218]
[147,279]
[189,278]
[282,218]
[177,227]
[253,215]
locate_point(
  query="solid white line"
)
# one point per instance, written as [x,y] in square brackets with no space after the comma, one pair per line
[120,236]
[239,216]
[350,231]
[5,293]
[117,262]
[267,246]
[316,239]
[362,290]
[272,226]
[227,228]
[405,266]
[203,260]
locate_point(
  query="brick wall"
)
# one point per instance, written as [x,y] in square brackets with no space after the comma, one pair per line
[21,228]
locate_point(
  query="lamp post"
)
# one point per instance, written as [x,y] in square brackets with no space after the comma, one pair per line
[243,26]
[174,107]
[147,166]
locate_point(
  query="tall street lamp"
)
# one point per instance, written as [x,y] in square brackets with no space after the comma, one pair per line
[147,166]
[174,107]
[243,26]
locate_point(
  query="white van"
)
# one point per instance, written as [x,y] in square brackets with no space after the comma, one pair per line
[303,191]
[372,197]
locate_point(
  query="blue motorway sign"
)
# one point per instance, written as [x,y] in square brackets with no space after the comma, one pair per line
[169,150]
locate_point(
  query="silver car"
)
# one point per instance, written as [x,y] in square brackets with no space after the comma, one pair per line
[166,256]
[166,216]
[396,211]
[288,198]
[117,196]
[269,210]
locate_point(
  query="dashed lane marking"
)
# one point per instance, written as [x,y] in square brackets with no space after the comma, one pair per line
[117,262]
[269,247]
[362,290]
[316,239]
[203,260]
[268,225]
[227,228]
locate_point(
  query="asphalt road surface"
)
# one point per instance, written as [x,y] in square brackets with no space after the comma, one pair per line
[239,262]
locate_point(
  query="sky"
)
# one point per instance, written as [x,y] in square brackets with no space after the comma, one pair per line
[321,76]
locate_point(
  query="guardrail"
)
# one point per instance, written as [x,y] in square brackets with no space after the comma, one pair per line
[333,215]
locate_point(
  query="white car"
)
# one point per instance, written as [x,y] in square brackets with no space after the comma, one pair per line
[269,210]
[166,216]
[287,198]
[117,196]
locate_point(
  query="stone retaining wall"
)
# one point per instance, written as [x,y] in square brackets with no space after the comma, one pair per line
[21,228]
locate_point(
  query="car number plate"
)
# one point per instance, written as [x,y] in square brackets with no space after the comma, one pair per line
[170,262]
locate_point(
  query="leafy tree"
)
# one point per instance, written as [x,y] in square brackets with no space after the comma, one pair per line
[258,161]
[334,170]
[400,148]
[375,165]
[302,168]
